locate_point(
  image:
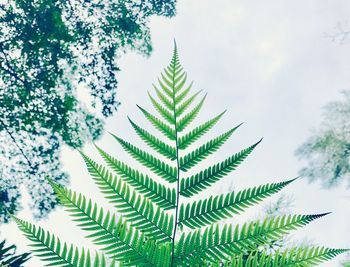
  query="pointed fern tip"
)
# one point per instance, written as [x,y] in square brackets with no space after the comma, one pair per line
[322,214]
[96,146]
[289,181]
[142,109]
[257,143]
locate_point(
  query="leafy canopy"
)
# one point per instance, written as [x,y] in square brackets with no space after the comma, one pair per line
[9,257]
[49,49]
[327,151]
[157,219]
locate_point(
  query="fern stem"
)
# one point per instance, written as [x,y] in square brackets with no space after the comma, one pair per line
[177,164]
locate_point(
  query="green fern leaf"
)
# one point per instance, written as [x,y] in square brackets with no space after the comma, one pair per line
[296,256]
[135,209]
[205,150]
[198,182]
[183,94]
[164,85]
[161,195]
[57,253]
[216,245]
[183,107]
[188,118]
[165,171]
[161,147]
[179,81]
[161,126]
[175,73]
[293,257]
[186,140]
[162,111]
[165,100]
[149,231]
[204,212]
[104,227]
[305,257]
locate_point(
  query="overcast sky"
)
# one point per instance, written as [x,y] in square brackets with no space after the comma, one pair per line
[269,64]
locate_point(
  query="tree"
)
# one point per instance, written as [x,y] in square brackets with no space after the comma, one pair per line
[48,50]
[327,151]
[163,224]
[9,257]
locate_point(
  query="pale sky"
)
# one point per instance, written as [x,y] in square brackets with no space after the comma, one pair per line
[269,64]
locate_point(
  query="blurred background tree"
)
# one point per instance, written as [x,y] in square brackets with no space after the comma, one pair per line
[327,151]
[9,257]
[48,50]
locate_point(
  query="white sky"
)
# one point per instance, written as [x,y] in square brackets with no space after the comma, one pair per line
[270,65]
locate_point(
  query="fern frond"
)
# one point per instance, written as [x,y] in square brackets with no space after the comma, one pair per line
[177,75]
[183,94]
[164,85]
[198,182]
[205,212]
[161,126]
[180,81]
[51,249]
[293,257]
[305,257]
[188,118]
[183,107]
[186,140]
[165,100]
[217,245]
[158,145]
[161,195]
[205,150]
[117,239]
[162,111]
[149,231]
[135,209]
[164,170]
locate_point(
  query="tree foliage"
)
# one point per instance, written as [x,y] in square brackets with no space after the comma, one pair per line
[9,257]
[160,222]
[49,49]
[327,151]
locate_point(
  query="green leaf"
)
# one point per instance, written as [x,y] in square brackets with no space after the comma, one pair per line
[138,211]
[165,171]
[164,85]
[200,181]
[183,94]
[150,229]
[205,150]
[50,248]
[188,118]
[162,111]
[180,81]
[186,140]
[161,126]
[117,239]
[181,109]
[217,245]
[161,195]
[296,256]
[166,101]
[158,145]
[205,212]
